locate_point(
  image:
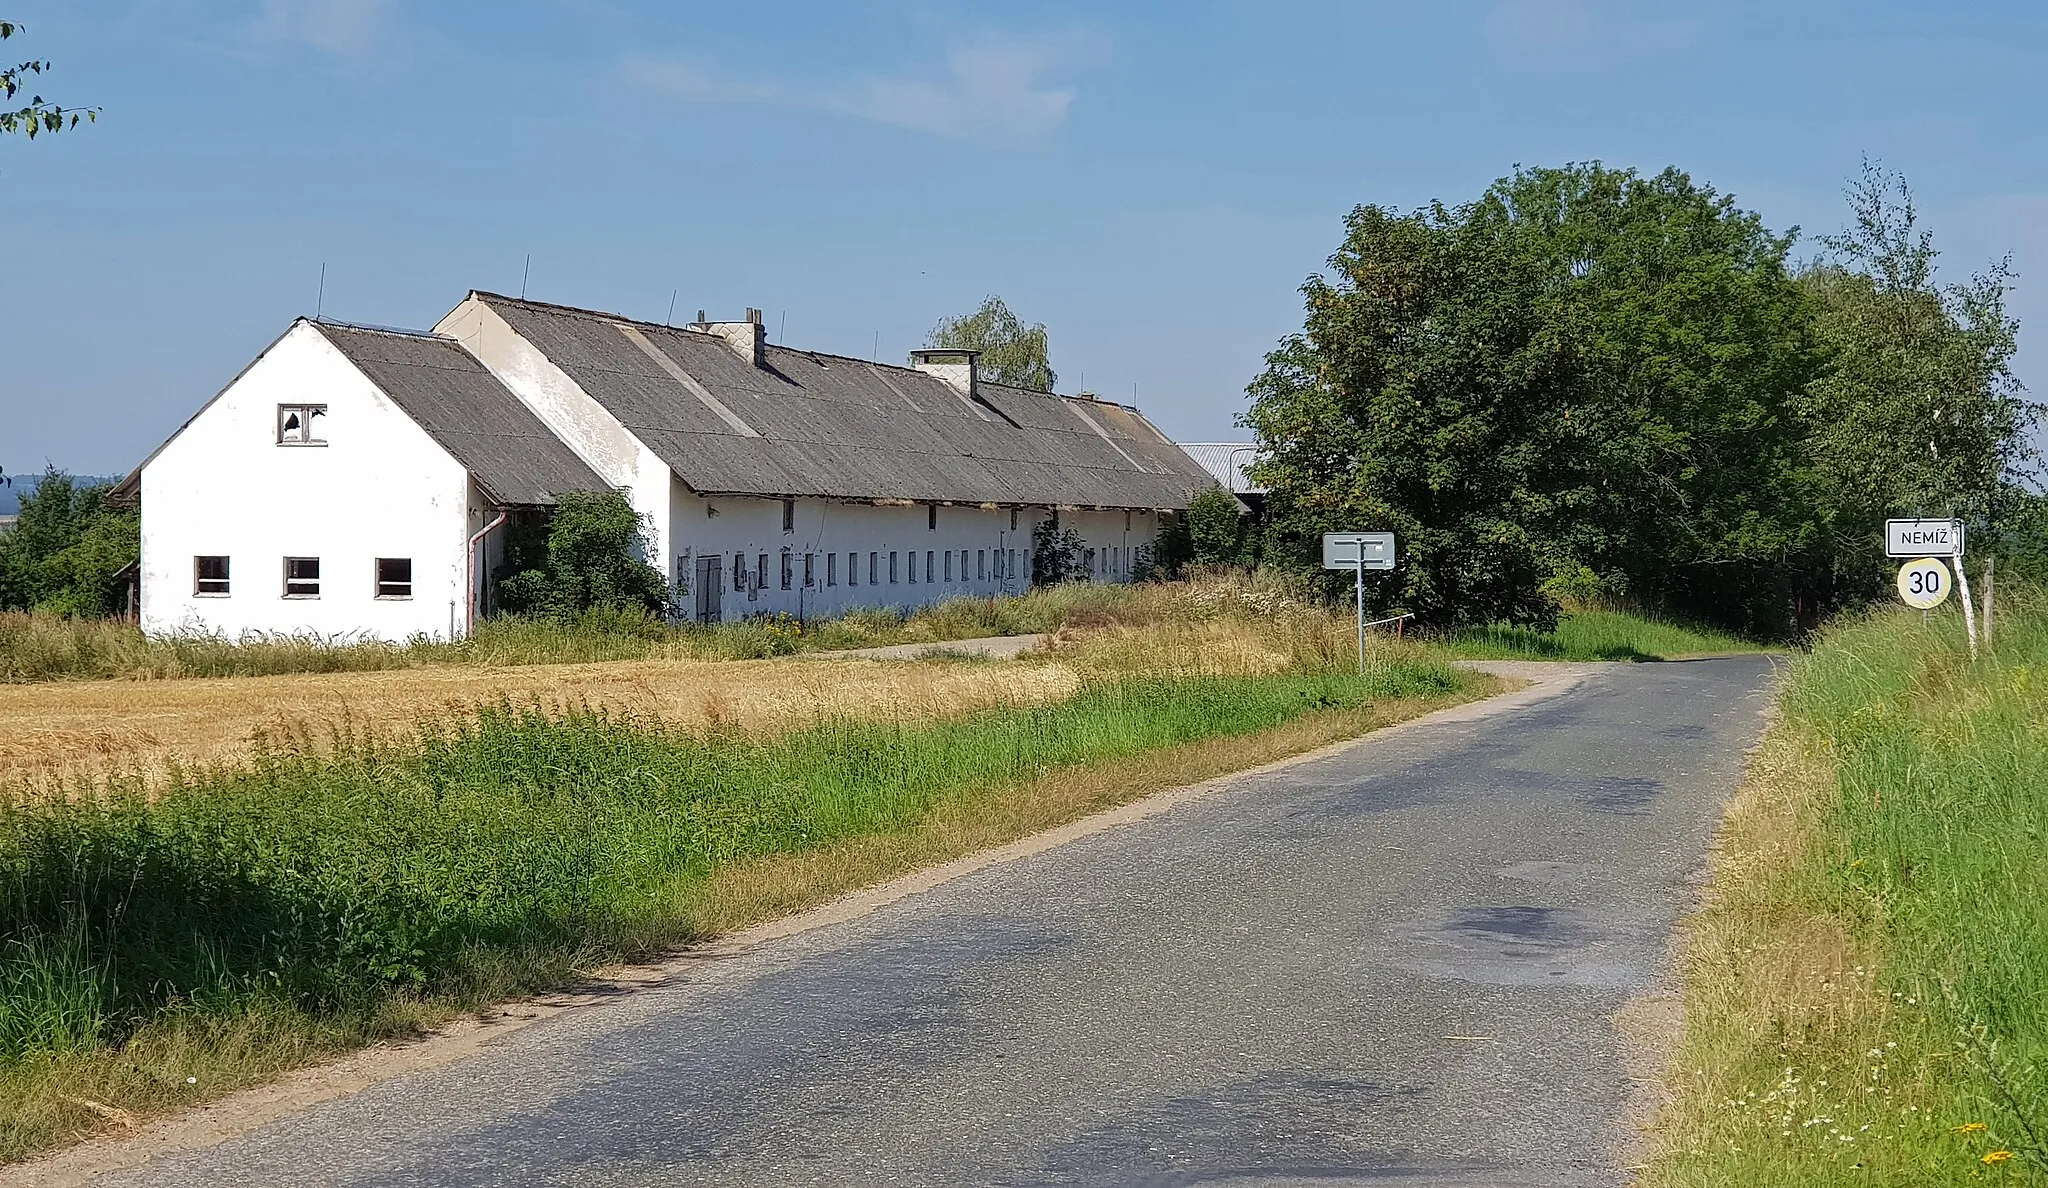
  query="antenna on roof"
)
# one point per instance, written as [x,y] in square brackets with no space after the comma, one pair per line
[782,332]
[671,307]
[523,274]
[877,356]
[320,301]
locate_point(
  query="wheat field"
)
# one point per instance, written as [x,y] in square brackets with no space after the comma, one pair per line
[72,729]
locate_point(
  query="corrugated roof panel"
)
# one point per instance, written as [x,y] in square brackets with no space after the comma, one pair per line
[844,428]
[508,450]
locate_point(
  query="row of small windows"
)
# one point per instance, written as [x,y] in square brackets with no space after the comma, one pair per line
[391,577]
[894,567]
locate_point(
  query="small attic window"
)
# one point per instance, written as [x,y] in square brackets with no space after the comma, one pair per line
[296,424]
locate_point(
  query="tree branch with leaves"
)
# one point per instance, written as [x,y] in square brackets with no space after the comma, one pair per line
[38,115]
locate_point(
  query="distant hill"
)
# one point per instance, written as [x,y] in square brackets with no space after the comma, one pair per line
[22,484]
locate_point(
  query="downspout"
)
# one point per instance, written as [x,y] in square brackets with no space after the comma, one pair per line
[469,569]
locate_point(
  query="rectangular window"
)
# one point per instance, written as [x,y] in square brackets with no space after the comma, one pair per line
[949,565]
[912,554]
[296,424]
[788,570]
[302,577]
[789,515]
[892,568]
[981,565]
[810,574]
[831,569]
[928,558]
[963,564]
[210,576]
[739,572]
[761,572]
[1011,567]
[682,587]
[853,569]
[931,517]
[874,569]
[1013,519]
[394,577]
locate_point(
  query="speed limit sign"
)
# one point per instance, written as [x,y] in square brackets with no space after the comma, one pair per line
[1924,582]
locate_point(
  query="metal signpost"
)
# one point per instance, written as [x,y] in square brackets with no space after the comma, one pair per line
[1358,552]
[1920,581]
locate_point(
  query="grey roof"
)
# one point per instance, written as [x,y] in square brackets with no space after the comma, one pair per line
[819,425]
[515,458]
[1226,460]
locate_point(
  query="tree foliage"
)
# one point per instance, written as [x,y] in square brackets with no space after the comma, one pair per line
[1918,412]
[37,116]
[1212,531]
[1056,554]
[1011,352]
[65,550]
[587,555]
[1585,366]
[1593,381]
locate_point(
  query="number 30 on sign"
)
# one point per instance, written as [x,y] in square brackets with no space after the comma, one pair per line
[1924,582]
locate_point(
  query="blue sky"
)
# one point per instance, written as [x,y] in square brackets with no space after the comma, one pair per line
[1152,181]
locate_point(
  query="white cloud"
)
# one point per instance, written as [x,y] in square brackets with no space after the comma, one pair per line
[345,28]
[1581,35]
[993,87]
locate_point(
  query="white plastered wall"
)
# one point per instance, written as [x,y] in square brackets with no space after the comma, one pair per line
[380,487]
[836,535]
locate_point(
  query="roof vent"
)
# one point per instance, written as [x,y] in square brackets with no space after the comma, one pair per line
[745,338]
[956,366]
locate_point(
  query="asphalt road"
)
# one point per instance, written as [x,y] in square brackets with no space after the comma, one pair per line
[1255,987]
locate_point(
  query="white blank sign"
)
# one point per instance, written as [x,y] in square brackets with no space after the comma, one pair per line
[1341,550]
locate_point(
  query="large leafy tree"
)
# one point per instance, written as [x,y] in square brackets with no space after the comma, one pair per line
[1584,367]
[1011,352]
[36,116]
[1918,412]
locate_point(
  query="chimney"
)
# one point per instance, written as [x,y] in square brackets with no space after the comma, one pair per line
[745,338]
[955,366]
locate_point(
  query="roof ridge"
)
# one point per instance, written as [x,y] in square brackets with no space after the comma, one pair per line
[376,328]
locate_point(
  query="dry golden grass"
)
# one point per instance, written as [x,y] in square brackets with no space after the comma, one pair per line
[75,728]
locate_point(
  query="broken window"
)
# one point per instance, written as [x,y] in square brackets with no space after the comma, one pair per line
[394,577]
[210,575]
[739,572]
[295,424]
[1013,519]
[302,577]
[682,588]
[760,573]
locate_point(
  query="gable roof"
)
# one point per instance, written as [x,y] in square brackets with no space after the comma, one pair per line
[515,458]
[808,424]
[1228,461]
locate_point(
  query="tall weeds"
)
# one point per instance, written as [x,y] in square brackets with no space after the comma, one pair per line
[490,855]
[1868,983]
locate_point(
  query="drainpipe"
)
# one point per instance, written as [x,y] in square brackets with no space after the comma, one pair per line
[469,569]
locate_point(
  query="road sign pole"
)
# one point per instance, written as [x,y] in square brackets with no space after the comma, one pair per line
[1969,612]
[1361,608]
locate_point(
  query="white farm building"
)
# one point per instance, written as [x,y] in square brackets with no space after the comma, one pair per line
[355,482]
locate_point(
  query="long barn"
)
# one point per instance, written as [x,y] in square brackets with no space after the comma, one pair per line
[357,482]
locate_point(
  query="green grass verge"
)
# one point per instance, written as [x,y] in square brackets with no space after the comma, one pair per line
[1596,635]
[305,903]
[1868,990]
